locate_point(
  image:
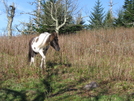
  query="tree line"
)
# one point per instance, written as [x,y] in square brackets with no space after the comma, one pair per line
[58,16]
[98,19]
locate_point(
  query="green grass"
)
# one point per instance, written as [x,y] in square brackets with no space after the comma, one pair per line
[62,85]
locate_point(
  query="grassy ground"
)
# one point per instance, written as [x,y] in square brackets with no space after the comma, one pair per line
[103,56]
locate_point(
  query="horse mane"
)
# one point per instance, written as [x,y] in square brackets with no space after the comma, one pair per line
[51,37]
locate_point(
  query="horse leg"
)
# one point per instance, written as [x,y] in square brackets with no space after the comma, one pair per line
[43,62]
[32,61]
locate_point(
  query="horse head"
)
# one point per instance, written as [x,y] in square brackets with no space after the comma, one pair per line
[54,41]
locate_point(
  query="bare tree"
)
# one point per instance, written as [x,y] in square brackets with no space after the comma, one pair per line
[58,12]
[26,28]
[10,12]
[79,18]
[39,7]
[68,7]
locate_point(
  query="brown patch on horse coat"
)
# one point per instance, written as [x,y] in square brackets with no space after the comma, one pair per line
[51,37]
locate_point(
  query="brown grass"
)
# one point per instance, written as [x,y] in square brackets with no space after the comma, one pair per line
[109,51]
[100,55]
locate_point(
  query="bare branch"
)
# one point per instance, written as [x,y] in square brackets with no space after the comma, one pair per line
[28,13]
[6,7]
[52,12]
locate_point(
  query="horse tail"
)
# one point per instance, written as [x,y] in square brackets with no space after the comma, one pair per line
[29,55]
[30,52]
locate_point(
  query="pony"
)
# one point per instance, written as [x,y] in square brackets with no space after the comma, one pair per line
[40,44]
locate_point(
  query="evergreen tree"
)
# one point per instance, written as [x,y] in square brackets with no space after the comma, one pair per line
[119,21]
[97,16]
[55,15]
[43,20]
[128,12]
[109,20]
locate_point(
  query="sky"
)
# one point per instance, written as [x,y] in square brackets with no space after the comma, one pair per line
[86,7]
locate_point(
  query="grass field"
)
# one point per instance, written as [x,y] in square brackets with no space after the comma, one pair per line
[104,56]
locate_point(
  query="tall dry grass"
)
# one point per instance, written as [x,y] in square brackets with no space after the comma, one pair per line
[98,54]
[13,57]
[104,54]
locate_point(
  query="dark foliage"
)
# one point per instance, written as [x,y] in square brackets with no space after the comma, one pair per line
[128,13]
[71,29]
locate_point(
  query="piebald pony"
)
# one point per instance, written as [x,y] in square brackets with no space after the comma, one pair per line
[40,44]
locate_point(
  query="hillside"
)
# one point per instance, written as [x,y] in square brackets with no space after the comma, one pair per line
[103,56]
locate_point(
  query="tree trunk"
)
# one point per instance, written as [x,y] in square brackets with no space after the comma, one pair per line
[9,26]
[55,18]
[57,30]
[10,15]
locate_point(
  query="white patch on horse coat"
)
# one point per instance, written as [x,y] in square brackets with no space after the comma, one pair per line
[41,42]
